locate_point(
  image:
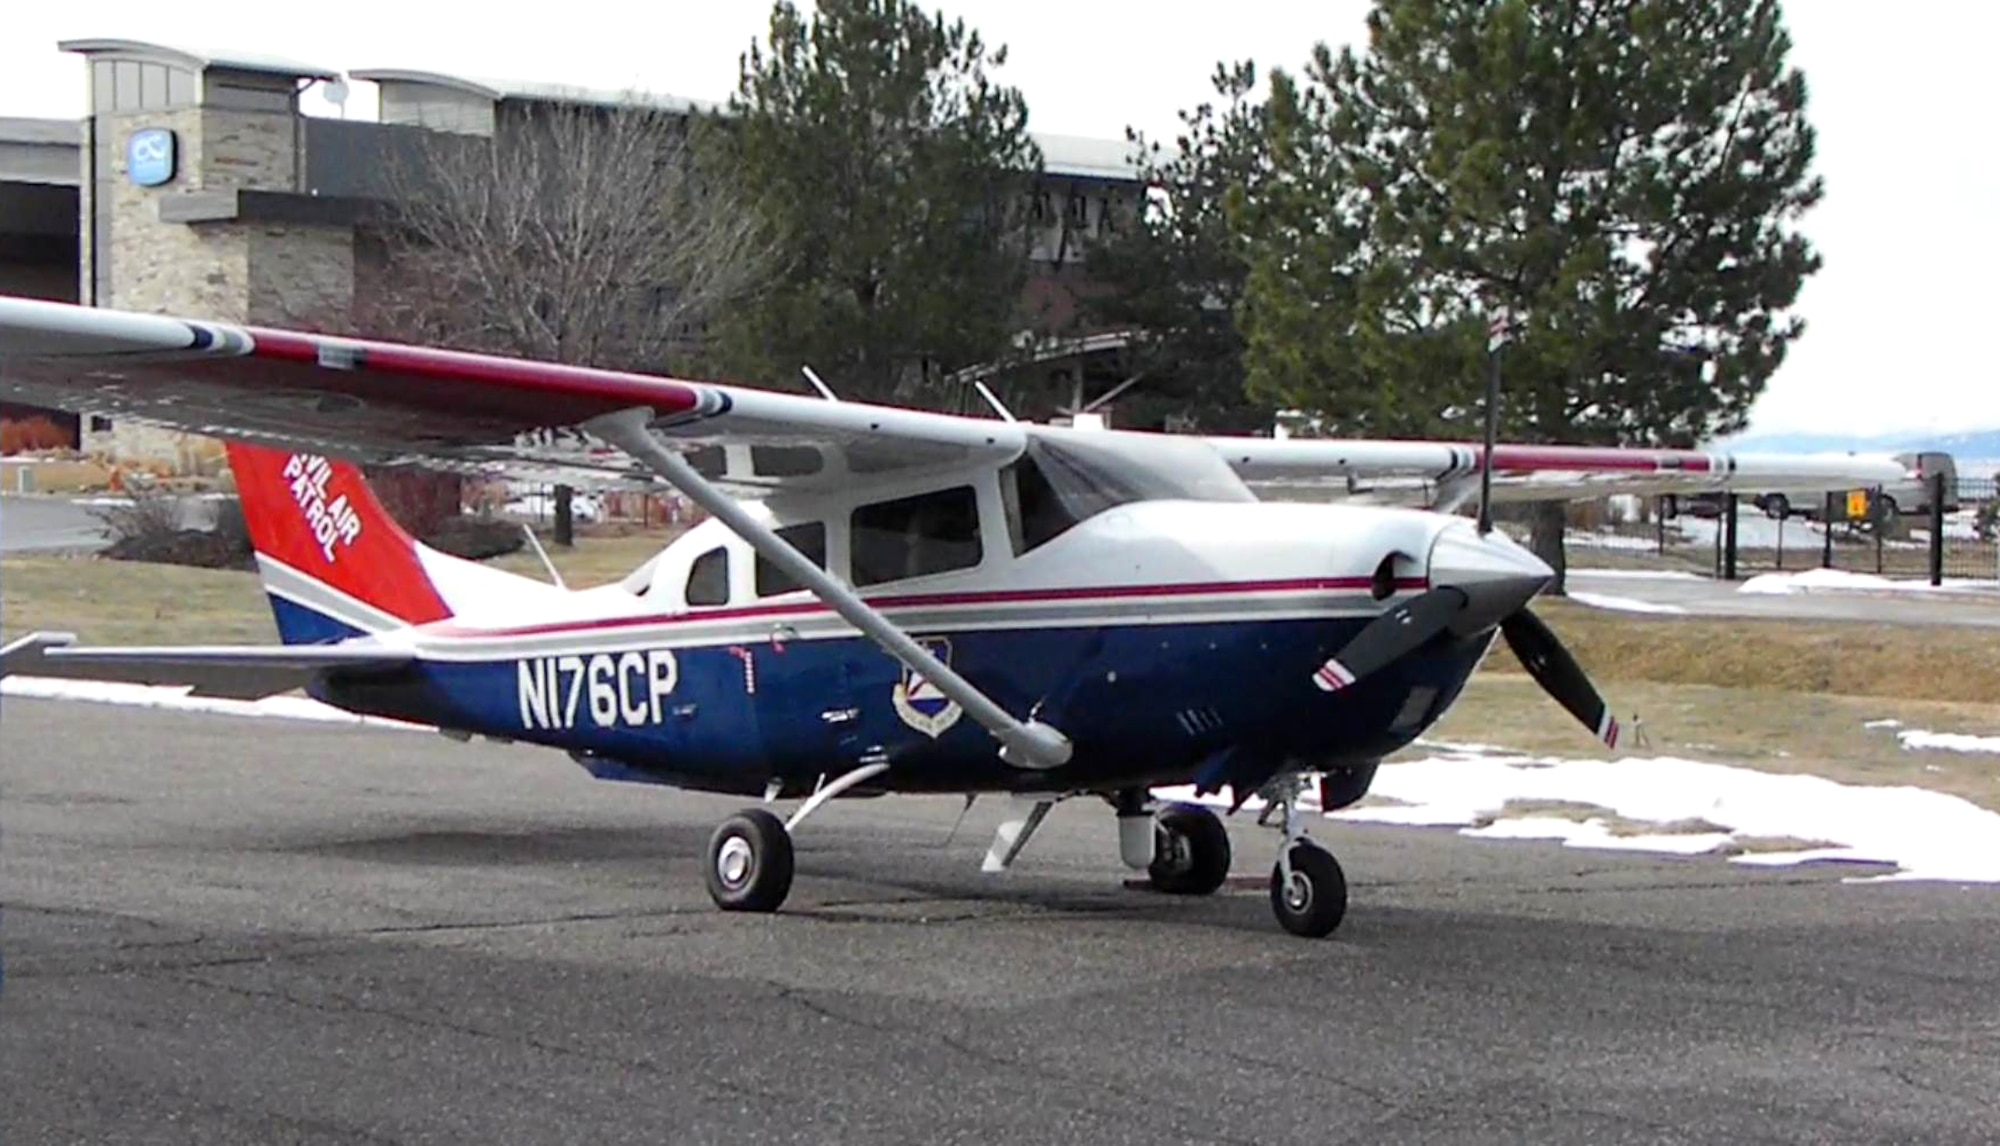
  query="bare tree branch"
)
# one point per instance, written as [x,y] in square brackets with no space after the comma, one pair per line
[575,233]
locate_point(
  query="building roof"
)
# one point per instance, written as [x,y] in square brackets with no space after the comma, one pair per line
[1084,157]
[500,90]
[1075,156]
[199,59]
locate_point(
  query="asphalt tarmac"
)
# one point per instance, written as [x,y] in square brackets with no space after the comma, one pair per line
[226,930]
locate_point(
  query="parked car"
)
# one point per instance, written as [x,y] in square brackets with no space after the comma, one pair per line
[1910,497]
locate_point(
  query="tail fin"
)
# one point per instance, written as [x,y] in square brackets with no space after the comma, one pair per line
[334,563]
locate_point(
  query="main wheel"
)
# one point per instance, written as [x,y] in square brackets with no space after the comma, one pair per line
[1191,852]
[750,862]
[1314,901]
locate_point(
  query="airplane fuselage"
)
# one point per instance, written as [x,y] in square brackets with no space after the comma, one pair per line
[1170,641]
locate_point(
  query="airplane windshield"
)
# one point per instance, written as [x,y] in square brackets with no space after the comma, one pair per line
[1058,482]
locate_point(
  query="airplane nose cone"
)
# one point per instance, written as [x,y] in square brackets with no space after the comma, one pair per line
[1495,573]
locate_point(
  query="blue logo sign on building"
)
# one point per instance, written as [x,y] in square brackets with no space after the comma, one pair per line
[149,156]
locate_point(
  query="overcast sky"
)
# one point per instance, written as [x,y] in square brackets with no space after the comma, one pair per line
[1901,98]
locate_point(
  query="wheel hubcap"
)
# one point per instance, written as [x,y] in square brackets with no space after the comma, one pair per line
[732,862]
[1298,892]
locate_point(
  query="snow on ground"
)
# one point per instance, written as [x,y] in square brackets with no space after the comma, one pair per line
[1578,539]
[1640,574]
[1840,579]
[1926,834]
[1623,604]
[1914,738]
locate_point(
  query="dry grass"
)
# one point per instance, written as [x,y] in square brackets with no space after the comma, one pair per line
[1816,657]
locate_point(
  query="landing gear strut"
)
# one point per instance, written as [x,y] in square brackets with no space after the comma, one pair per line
[750,854]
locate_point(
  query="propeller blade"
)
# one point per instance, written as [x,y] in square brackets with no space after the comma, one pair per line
[1390,637]
[1545,658]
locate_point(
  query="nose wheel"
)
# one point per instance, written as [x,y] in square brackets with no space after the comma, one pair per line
[1308,891]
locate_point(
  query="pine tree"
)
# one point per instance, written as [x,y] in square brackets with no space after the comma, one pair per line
[874,140]
[1623,178]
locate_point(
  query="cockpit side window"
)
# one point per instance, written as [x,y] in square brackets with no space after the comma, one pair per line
[1035,512]
[708,579]
[807,537]
[916,536]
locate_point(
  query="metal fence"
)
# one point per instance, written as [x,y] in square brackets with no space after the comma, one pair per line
[1953,538]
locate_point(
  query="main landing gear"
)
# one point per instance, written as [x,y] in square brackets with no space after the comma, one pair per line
[750,855]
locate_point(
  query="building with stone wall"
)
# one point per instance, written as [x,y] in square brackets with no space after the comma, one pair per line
[195,186]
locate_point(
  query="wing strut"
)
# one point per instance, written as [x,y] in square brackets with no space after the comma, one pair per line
[1024,744]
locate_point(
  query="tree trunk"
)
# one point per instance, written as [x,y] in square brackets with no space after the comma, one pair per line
[565,516]
[1547,521]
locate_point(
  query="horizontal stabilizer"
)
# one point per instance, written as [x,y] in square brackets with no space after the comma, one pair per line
[240,672]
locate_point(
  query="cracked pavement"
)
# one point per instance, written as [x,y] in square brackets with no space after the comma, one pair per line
[225,930]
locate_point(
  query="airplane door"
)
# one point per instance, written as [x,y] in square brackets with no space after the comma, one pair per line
[806,710]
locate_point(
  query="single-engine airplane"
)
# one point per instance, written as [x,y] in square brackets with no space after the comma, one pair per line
[883,600]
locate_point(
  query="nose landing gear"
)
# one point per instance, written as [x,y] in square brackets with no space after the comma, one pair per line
[1308,888]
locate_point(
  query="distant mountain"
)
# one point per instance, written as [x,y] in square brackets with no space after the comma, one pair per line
[1961,444]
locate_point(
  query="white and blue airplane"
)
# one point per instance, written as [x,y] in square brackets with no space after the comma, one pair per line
[882,600]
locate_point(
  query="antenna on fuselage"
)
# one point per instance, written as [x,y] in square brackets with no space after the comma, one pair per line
[536,543]
[825,391]
[994,401]
[1496,337]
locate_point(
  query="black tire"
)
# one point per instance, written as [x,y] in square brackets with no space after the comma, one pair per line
[749,862]
[1316,902]
[1191,853]
[1777,507]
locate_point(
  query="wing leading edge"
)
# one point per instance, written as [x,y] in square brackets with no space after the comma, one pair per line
[1445,472]
[386,402]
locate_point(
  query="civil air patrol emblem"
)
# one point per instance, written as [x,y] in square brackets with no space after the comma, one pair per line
[918,701]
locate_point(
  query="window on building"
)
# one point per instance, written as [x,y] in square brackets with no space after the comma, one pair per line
[916,536]
[708,578]
[1106,221]
[808,538]
[1079,211]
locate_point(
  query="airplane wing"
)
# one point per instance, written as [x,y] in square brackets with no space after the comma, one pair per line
[387,403]
[1446,474]
[249,672]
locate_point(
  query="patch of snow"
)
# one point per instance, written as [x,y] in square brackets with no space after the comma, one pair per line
[1929,835]
[583,506]
[177,698]
[1582,540]
[1840,579]
[1882,724]
[1597,834]
[1640,574]
[1624,604]
[1913,738]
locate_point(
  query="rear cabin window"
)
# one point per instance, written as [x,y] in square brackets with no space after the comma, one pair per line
[708,578]
[916,536]
[808,538]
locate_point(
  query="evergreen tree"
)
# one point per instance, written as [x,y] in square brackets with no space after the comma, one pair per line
[874,140]
[1176,274]
[1622,178]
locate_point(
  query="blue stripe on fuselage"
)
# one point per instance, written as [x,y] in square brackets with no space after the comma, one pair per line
[1142,704]
[299,625]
